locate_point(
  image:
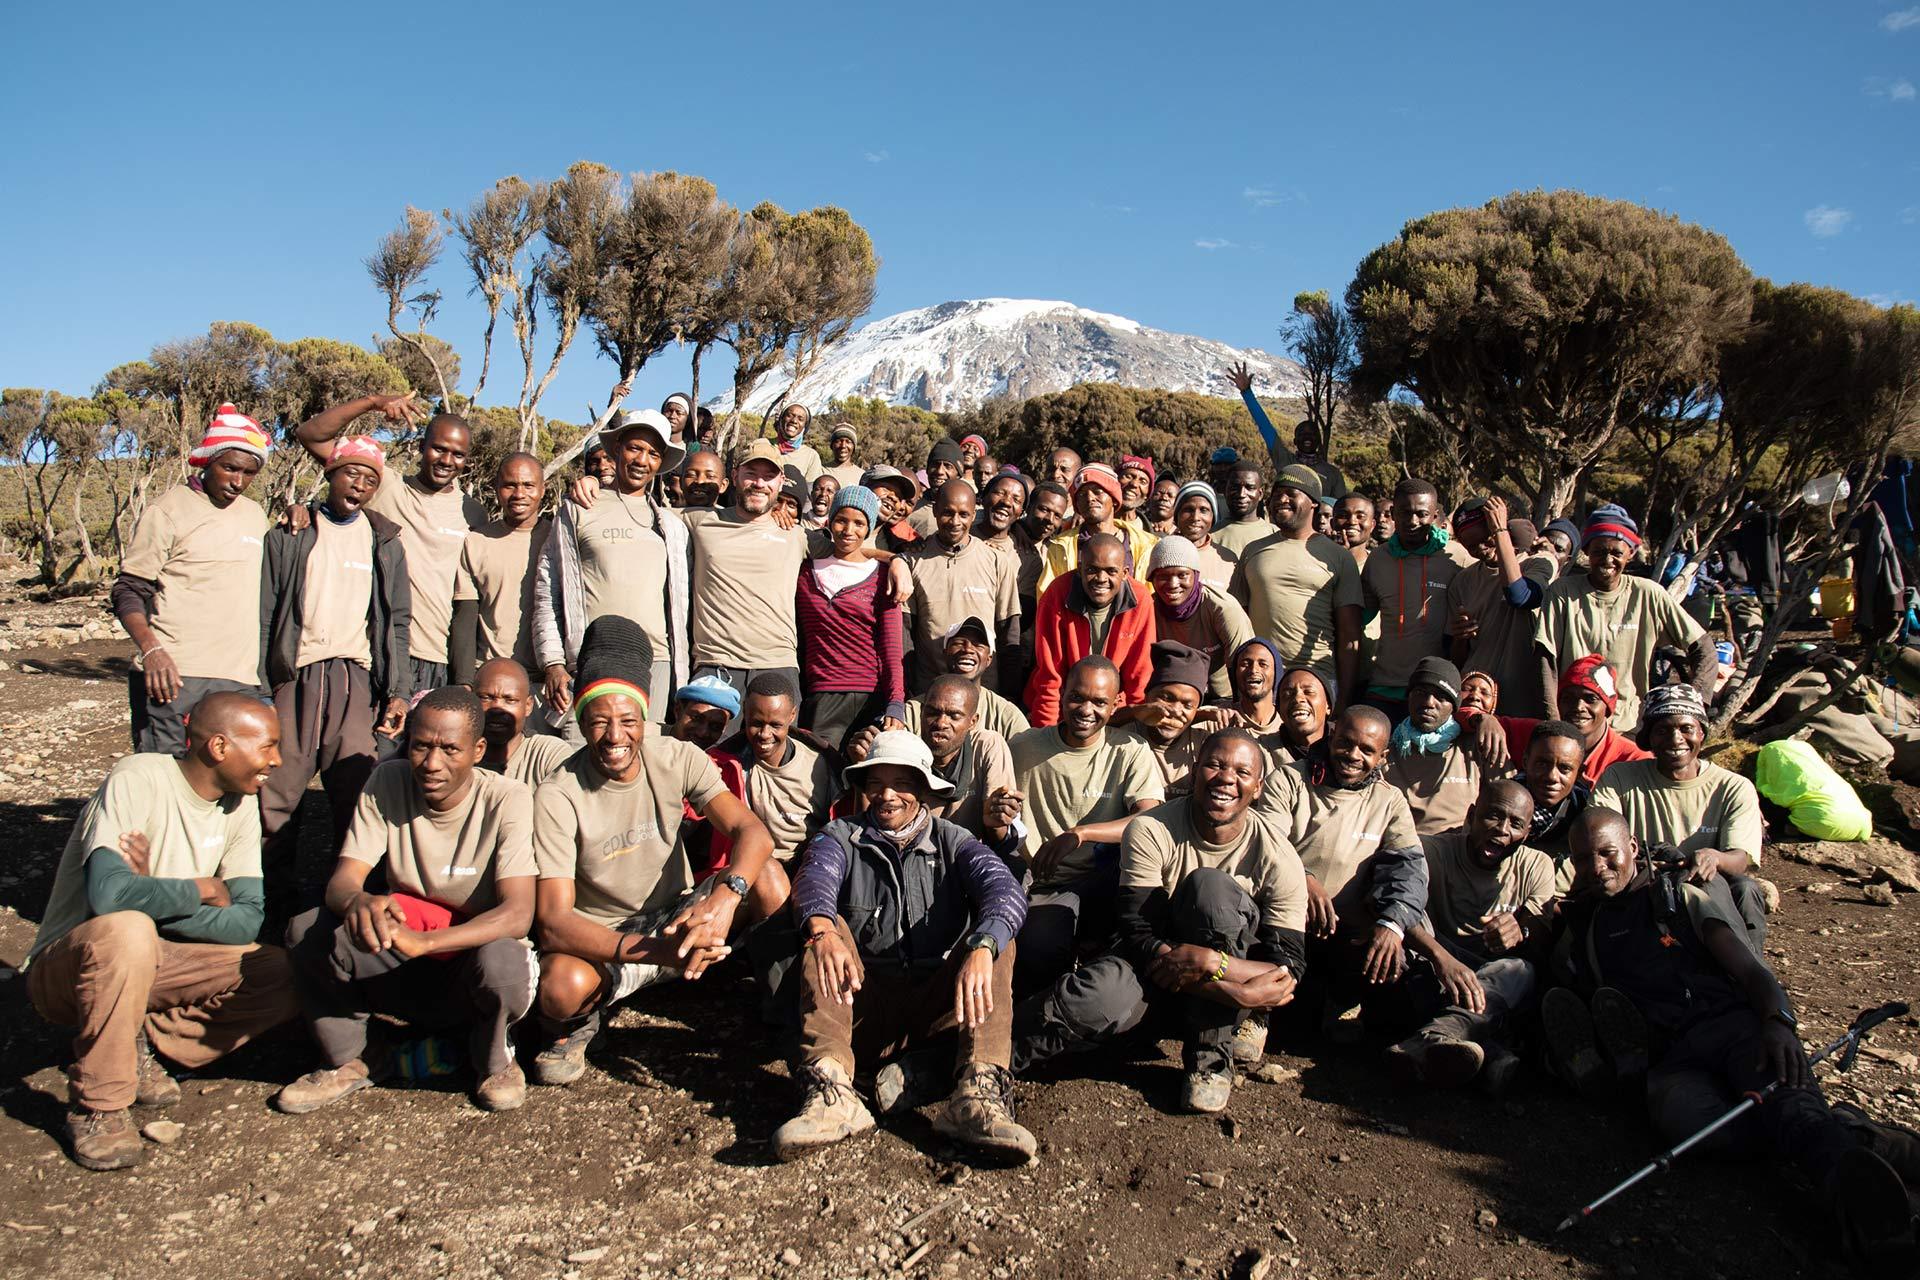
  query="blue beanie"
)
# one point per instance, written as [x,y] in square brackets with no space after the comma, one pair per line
[1610,521]
[712,691]
[861,499]
[1224,454]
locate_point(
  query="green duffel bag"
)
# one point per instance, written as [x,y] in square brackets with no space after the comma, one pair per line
[1819,801]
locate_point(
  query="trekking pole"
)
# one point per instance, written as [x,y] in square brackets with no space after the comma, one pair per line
[1847,1046]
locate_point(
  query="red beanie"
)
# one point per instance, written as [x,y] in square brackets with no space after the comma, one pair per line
[1593,674]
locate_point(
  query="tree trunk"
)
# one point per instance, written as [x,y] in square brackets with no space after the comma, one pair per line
[80,527]
[691,432]
[1557,486]
[580,446]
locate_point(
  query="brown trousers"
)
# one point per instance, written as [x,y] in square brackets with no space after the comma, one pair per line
[894,1011]
[115,976]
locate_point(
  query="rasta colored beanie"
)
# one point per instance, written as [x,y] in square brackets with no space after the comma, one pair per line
[615,658]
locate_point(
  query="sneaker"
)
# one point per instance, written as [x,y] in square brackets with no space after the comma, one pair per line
[323,1088]
[910,1080]
[1572,1046]
[1407,1061]
[1898,1145]
[1870,1202]
[1499,1071]
[1206,1092]
[103,1140]
[1622,1033]
[1452,1064]
[830,1112]
[503,1090]
[565,1060]
[1250,1039]
[979,1113]
[153,1086]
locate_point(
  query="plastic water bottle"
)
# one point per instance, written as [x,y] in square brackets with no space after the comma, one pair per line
[428,1057]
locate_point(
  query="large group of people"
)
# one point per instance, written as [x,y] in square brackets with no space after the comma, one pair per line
[970,768]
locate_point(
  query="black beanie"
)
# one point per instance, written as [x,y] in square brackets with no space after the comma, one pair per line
[615,648]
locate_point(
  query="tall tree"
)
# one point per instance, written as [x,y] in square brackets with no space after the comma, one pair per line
[398,268]
[1547,323]
[1320,335]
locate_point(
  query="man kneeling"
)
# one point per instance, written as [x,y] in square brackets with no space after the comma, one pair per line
[908,924]
[147,942]
[1213,919]
[445,946]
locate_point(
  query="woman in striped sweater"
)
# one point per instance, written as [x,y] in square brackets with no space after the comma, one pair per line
[849,624]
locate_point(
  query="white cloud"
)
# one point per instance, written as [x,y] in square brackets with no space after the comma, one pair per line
[1211,244]
[1268,197]
[1910,214]
[1892,90]
[878,157]
[1902,91]
[1889,300]
[1825,221]
[1902,19]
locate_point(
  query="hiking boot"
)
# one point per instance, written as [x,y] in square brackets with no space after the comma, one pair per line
[1250,1039]
[1870,1204]
[910,1080]
[1572,1046]
[1622,1033]
[1898,1145]
[503,1090]
[1452,1064]
[1206,1092]
[103,1140]
[1499,1071]
[323,1088]
[830,1111]
[979,1113]
[565,1060]
[1407,1061]
[153,1086]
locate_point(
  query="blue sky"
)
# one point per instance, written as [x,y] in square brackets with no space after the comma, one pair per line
[1189,166]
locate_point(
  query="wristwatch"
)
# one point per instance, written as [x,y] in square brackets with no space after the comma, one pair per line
[976,941]
[736,883]
[1784,1016]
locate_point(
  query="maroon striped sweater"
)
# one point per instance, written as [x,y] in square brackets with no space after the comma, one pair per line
[849,643]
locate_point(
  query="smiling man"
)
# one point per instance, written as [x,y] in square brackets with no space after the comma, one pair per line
[1212,926]
[1301,590]
[433,513]
[444,946]
[499,566]
[791,782]
[1405,587]
[147,941]
[1240,524]
[956,576]
[1097,610]
[192,568]
[1432,761]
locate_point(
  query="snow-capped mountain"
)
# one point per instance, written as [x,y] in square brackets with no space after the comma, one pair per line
[958,354]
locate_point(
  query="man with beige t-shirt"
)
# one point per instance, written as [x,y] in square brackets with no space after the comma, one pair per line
[445,945]
[493,587]
[192,569]
[433,513]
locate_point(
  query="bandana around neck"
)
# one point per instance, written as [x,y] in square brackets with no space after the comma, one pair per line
[1408,740]
[1436,539]
[907,836]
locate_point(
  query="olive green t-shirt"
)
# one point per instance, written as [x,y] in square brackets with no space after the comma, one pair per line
[455,858]
[1626,626]
[1440,786]
[1234,537]
[1073,786]
[1461,887]
[744,574]
[207,562]
[793,798]
[188,838]
[433,529]
[617,841]
[1715,809]
[498,569]
[1162,848]
[1291,589]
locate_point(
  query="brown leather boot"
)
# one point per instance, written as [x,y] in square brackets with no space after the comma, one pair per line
[103,1139]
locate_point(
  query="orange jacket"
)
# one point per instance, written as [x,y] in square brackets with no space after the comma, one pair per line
[1062,636]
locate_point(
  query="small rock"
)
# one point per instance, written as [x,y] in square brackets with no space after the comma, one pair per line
[164,1132]
[1259,1265]
[588,1255]
[1214,1180]
[1192,1264]
[1280,1229]
[1273,1073]
[366,1228]
[1878,894]
[1341,1157]
[971,1249]
[789,1257]
[1486,1220]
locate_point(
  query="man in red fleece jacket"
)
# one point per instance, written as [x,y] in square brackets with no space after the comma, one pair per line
[1099,609]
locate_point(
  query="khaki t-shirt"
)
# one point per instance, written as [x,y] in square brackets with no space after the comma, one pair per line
[990,764]
[608,837]
[1440,786]
[1070,787]
[1461,888]
[538,755]
[189,838]
[950,586]
[1410,593]
[1235,537]
[1162,848]
[1216,565]
[1625,626]
[433,529]
[848,476]
[623,564]
[1714,809]
[337,595]
[744,573]
[207,562]
[1175,759]
[1503,646]
[1334,829]
[498,568]
[793,798]
[992,712]
[456,858]
[1291,589]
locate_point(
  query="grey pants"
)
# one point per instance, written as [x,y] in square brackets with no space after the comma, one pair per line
[1507,981]
[1061,917]
[1107,997]
[162,726]
[738,678]
[487,989]
[426,674]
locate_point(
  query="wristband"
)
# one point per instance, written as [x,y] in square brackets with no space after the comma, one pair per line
[150,652]
[1220,973]
[815,937]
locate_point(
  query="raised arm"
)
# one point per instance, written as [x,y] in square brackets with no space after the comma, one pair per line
[317,434]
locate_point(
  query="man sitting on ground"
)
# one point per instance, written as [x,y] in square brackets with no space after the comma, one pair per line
[1098,609]
[506,696]
[1212,911]
[929,956]
[1487,893]
[985,799]
[971,655]
[1167,719]
[618,908]
[1587,697]
[1550,771]
[147,940]
[790,774]
[445,946]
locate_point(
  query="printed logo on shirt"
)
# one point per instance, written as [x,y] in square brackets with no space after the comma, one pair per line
[357,566]
[1366,835]
[445,532]
[250,540]
[632,840]
[462,871]
[212,841]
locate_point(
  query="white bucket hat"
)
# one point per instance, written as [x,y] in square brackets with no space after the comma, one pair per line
[899,747]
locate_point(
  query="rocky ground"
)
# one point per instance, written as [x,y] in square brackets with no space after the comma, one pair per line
[656,1163]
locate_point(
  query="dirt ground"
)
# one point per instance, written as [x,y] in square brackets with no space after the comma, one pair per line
[656,1163]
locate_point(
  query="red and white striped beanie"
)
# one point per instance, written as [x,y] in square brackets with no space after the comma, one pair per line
[230,429]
